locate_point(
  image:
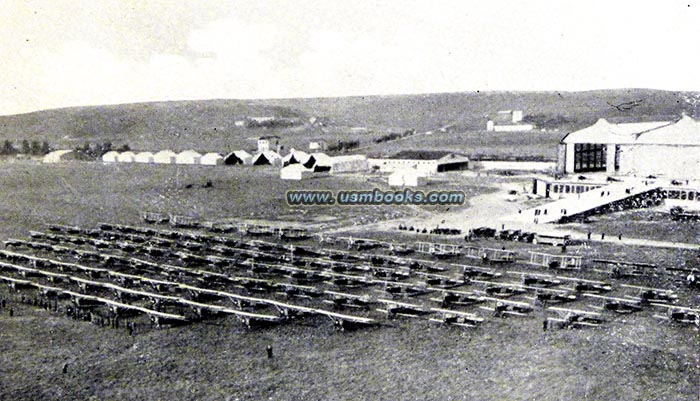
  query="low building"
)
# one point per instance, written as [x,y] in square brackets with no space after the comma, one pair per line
[348,164]
[406,178]
[508,121]
[426,161]
[317,145]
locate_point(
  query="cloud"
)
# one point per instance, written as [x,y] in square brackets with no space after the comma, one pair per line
[64,53]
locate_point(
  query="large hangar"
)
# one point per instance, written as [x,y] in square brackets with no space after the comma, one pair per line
[663,148]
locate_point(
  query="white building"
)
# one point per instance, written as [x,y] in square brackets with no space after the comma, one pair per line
[406,178]
[661,148]
[426,161]
[266,143]
[508,121]
[348,164]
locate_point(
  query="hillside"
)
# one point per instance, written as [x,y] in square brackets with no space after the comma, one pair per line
[208,125]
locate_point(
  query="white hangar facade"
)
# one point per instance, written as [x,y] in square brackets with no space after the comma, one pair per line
[662,148]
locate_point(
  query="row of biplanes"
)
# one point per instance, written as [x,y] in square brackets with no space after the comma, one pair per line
[299,266]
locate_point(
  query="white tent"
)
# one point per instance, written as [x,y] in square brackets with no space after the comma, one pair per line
[238,157]
[57,156]
[110,157]
[295,156]
[144,157]
[165,157]
[319,162]
[267,157]
[212,159]
[294,171]
[405,178]
[188,157]
[126,157]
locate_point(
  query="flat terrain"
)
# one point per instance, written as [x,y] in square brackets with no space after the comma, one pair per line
[633,357]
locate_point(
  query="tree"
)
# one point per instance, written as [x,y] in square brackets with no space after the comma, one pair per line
[25,148]
[36,148]
[8,148]
[45,148]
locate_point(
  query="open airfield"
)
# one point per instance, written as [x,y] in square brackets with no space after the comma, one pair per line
[47,355]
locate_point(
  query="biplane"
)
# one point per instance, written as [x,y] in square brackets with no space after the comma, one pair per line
[298,291]
[341,300]
[504,308]
[622,306]
[651,295]
[458,298]
[587,286]
[573,318]
[393,308]
[682,315]
[456,318]
[501,290]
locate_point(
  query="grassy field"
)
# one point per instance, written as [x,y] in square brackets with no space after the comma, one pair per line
[635,357]
[209,125]
[647,224]
[479,143]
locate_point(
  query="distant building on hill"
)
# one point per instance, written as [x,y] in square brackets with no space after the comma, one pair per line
[508,121]
[270,142]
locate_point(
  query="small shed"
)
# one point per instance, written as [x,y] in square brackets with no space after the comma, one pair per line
[188,157]
[57,156]
[165,157]
[406,178]
[126,157]
[238,157]
[212,159]
[110,157]
[144,157]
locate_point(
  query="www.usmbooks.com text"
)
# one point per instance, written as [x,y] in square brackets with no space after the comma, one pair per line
[374,197]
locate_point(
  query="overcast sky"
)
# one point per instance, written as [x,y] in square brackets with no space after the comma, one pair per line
[56,53]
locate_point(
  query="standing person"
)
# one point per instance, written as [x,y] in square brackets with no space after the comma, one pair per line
[589,235]
[602,236]
[619,236]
